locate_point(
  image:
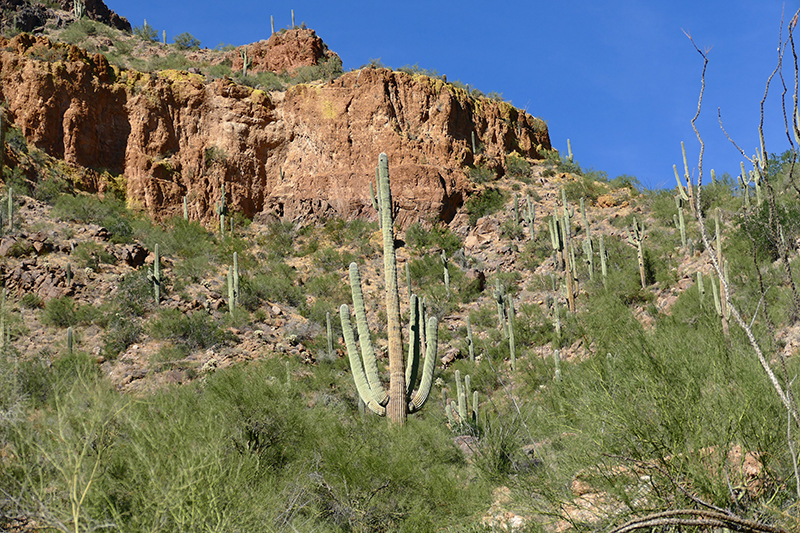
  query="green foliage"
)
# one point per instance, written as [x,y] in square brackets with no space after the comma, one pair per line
[627,181]
[64,312]
[518,167]
[186,41]
[439,236]
[484,203]
[327,68]
[196,331]
[481,175]
[761,226]
[146,32]
[109,213]
[90,255]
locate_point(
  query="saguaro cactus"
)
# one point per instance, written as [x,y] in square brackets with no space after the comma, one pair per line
[245,61]
[155,276]
[400,401]
[635,239]
[222,210]
[463,415]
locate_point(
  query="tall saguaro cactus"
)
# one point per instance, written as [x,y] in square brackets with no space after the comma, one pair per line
[399,401]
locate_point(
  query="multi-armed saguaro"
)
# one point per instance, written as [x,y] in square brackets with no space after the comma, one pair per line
[399,401]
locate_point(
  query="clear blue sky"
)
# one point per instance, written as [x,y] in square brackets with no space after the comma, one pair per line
[618,78]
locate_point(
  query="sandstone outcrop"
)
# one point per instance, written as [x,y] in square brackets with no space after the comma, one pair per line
[300,154]
[285,51]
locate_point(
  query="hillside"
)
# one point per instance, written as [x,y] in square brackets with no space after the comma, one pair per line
[176,241]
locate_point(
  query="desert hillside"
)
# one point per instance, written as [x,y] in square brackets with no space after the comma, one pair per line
[222,267]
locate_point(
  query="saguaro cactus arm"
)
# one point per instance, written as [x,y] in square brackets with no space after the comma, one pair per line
[365,392]
[421,395]
[368,353]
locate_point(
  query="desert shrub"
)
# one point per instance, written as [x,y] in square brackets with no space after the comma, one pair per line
[90,254]
[109,213]
[268,81]
[146,32]
[82,29]
[439,236]
[325,69]
[484,203]
[196,331]
[761,226]
[174,60]
[587,186]
[627,181]
[482,175]
[31,301]
[518,167]
[186,41]
[279,239]
[64,312]
[277,285]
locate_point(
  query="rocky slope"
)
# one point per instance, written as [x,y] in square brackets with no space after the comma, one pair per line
[304,153]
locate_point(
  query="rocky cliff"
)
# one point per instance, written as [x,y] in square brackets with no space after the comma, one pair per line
[302,153]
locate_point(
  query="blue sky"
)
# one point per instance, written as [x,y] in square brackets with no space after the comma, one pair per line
[618,78]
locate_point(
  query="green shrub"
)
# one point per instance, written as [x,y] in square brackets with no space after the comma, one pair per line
[146,32]
[481,175]
[90,254]
[518,167]
[196,331]
[325,69]
[439,235]
[186,41]
[483,203]
[109,213]
[31,301]
[64,312]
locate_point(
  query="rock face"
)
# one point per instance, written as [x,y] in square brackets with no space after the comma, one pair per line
[98,10]
[285,51]
[304,153]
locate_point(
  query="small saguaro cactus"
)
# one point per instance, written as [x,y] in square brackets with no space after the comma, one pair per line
[245,61]
[222,210]
[70,340]
[680,221]
[499,294]
[462,415]
[78,8]
[272,24]
[329,333]
[686,193]
[470,341]
[185,209]
[233,283]
[557,363]
[530,216]
[701,289]
[512,343]
[400,401]
[2,139]
[446,273]
[155,276]
[635,239]
[603,260]
[10,209]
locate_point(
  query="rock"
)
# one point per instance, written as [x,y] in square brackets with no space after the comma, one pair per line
[285,51]
[304,154]
[99,11]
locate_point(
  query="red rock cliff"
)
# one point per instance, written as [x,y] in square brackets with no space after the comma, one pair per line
[304,153]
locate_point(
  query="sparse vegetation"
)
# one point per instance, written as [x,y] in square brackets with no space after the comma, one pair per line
[184,414]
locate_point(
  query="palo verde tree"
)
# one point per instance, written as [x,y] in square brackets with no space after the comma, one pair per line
[400,401]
